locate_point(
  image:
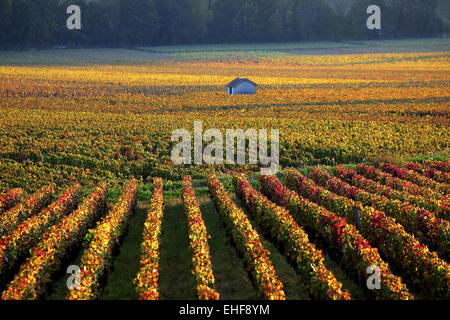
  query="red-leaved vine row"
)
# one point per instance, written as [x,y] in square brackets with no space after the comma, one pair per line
[25,209]
[9,198]
[46,257]
[146,280]
[357,253]
[357,180]
[430,230]
[279,224]
[443,166]
[198,243]
[25,236]
[389,180]
[257,258]
[97,256]
[437,203]
[432,173]
[421,268]
[416,178]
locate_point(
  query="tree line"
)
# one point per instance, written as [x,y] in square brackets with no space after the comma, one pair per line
[31,23]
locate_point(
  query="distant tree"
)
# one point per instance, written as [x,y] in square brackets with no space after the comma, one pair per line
[5,18]
[269,14]
[56,18]
[339,22]
[147,22]
[222,27]
[248,20]
[173,23]
[138,22]
[282,20]
[26,19]
[49,12]
[313,20]
[247,23]
[356,22]
[102,22]
[414,18]
[198,18]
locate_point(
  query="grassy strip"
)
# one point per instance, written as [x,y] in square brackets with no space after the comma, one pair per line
[232,280]
[176,282]
[125,261]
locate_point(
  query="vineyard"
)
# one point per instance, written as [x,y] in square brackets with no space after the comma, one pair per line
[87,182]
[289,237]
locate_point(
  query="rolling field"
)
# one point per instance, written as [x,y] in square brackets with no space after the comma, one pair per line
[86,176]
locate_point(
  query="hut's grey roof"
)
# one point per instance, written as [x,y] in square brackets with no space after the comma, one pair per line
[238,81]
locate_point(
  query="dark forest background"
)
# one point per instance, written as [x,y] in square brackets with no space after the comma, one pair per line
[113,23]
